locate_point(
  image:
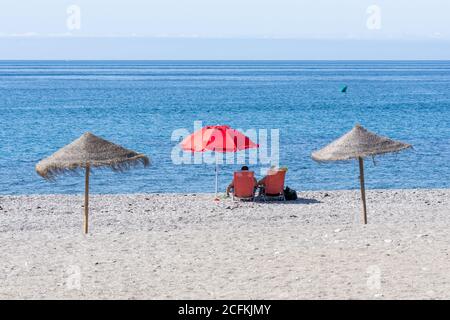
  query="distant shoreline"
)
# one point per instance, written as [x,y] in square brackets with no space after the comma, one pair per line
[225,60]
[140,48]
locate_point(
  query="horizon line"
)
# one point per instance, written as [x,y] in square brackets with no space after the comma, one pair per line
[224,60]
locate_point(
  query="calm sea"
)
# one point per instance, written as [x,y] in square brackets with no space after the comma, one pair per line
[44,105]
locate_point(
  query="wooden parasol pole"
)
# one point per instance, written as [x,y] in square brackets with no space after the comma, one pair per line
[86,200]
[363,189]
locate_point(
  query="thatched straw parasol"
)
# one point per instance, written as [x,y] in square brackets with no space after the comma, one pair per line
[357,144]
[86,152]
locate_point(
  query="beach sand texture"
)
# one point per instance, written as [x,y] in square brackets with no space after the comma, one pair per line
[190,247]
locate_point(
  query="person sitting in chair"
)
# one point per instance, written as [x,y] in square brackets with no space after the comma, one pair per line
[262,183]
[231,185]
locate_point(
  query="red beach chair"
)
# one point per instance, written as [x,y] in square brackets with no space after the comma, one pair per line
[244,185]
[274,185]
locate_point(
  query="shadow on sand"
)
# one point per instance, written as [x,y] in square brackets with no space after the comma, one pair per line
[298,201]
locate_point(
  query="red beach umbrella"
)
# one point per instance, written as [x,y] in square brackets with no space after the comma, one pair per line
[218,139]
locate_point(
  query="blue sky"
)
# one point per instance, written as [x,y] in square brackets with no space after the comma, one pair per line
[202,29]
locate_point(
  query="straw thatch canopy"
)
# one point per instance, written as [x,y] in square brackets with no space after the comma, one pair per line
[89,150]
[358,143]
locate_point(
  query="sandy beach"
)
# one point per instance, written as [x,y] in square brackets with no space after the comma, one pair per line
[190,247]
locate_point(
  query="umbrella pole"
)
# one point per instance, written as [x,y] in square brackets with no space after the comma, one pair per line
[217,178]
[86,200]
[363,189]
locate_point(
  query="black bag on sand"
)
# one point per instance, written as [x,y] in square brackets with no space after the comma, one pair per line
[290,194]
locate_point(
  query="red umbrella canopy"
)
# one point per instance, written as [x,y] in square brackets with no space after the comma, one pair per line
[217,138]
